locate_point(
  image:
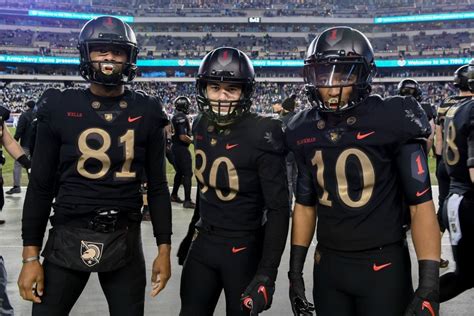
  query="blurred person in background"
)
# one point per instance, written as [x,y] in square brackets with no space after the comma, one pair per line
[23,134]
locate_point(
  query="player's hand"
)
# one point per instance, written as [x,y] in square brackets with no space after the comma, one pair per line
[426,299]
[258,295]
[161,270]
[31,281]
[299,303]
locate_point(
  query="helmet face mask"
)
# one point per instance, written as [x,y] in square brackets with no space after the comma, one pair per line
[338,69]
[107,34]
[226,68]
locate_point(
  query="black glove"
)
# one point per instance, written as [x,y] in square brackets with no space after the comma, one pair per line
[299,303]
[24,161]
[426,299]
[258,296]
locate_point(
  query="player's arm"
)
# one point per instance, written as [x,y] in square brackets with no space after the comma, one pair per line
[438,140]
[20,128]
[271,168]
[430,139]
[37,207]
[470,146]
[159,201]
[414,175]
[14,149]
[180,130]
[302,232]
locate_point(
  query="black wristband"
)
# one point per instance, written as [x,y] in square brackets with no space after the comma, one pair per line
[297,258]
[24,161]
[428,274]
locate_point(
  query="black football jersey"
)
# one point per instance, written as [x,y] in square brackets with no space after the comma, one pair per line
[347,168]
[458,127]
[181,126]
[97,148]
[444,107]
[240,171]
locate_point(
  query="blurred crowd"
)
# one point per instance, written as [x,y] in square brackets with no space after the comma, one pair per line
[15,95]
[331,8]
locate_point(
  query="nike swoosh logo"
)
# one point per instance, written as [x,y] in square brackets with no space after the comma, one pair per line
[418,194]
[380,267]
[133,119]
[235,250]
[263,290]
[248,302]
[362,136]
[428,306]
[229,146]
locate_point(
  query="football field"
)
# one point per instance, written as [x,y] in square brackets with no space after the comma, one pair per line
[92,301]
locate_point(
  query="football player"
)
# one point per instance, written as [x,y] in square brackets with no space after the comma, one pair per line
[240,168]
[458,156]
[180,146]
[14,150]
[100,140]
[359,156]
[460,82]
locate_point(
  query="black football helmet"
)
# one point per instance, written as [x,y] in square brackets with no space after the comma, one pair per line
[461,79]
[470,76]
[410,87]
[182,104]
[107,31]
[339,57]
[225,65]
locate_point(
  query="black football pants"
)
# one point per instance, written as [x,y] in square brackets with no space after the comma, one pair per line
[369,283]
[214,263]
[183,165]
[454,283]
[124,289]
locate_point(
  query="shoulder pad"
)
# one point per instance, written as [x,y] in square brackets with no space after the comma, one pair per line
[301,117]
[200,117]
[412,119]
[142,92]
[47,100]
[270,135]
[4,113]
[157,111]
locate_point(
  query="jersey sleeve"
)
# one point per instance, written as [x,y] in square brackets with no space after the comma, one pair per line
[158,112]
[4,113]
[414,173]
[155,167]
[305,190]
[180,125]
[273,182]
[40,192]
